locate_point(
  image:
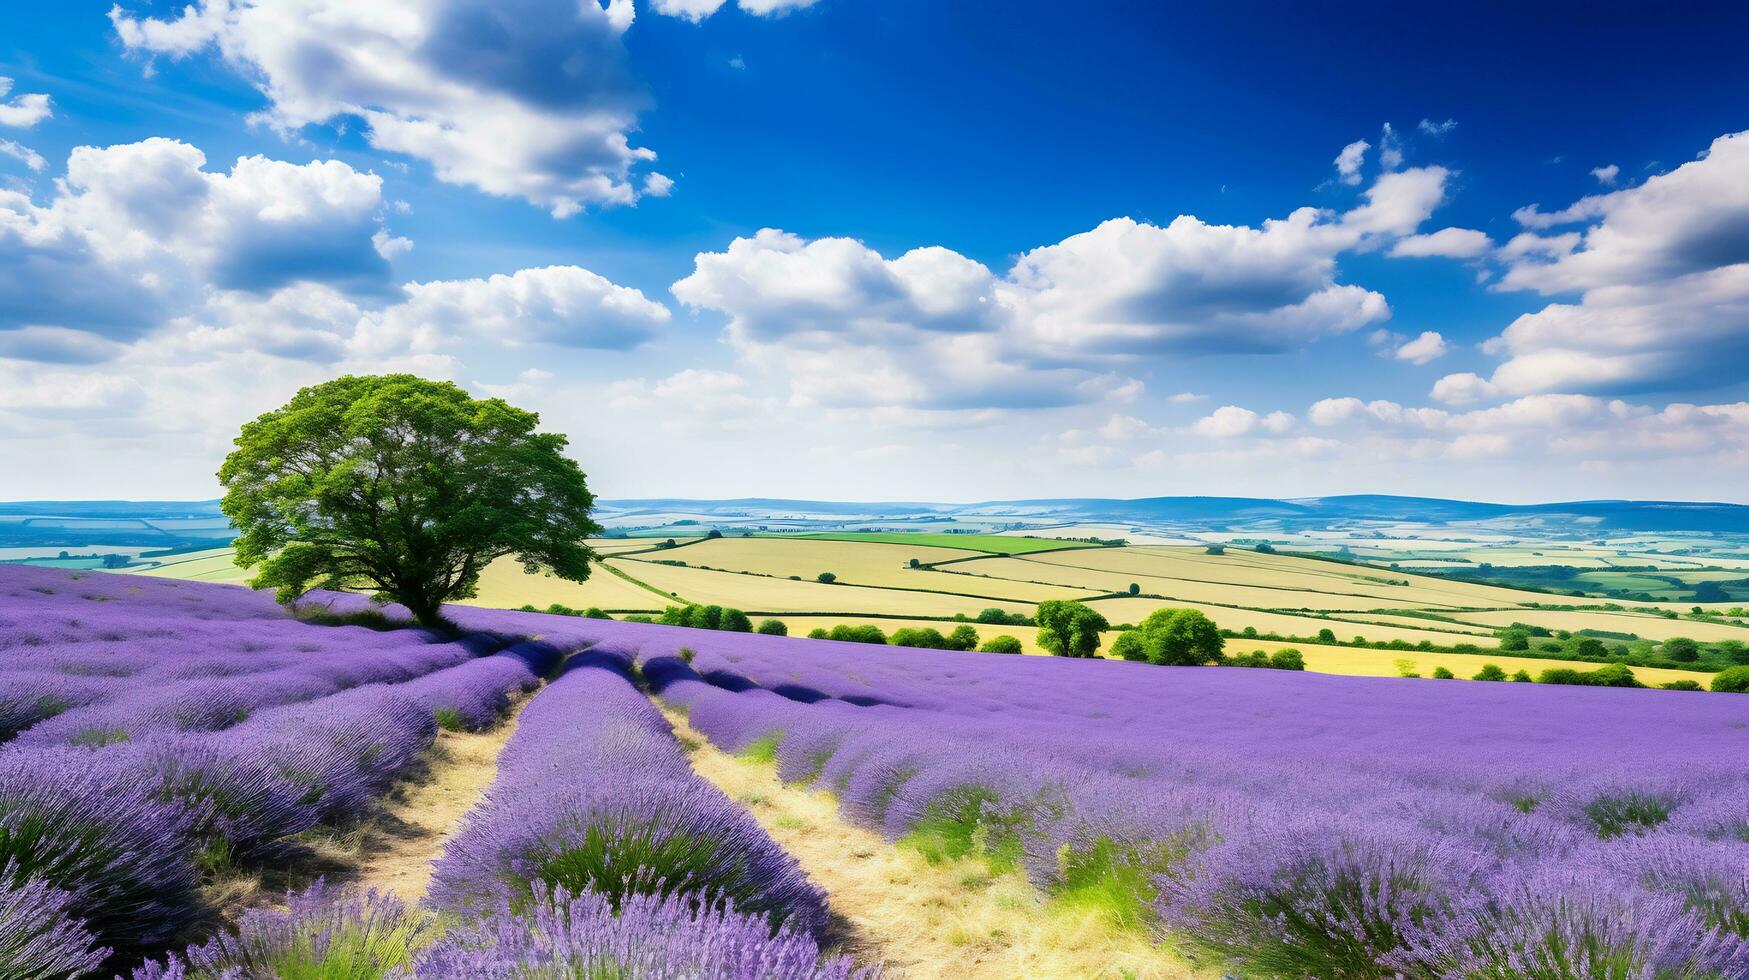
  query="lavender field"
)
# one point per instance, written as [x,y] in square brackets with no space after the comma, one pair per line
[160,736]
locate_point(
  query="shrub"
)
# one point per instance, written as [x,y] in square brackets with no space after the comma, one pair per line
[640,618]
[925,637]
[735,621]
[826,577]
[1256,658]
[1490,672]
[1001,644]
[1521,677]
[962,638]
[686,654]
[1732,680]
[772,627]
[994,616]
[856,634]
[595,612]
[1135,588]
[1287,658]
[819,633]
[1443,673]
[1682,685]
[1405,667]
[450,720]
[1326,635]
[1681,649]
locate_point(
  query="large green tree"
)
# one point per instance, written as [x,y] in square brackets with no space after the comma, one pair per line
[1069,629]
[405,487]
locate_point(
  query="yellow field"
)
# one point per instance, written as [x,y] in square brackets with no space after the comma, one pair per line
[217,565]
[1118,611]
[1239,589]
[1647,627]
[856,563]
[760,593]
[1383,663]
[504,584]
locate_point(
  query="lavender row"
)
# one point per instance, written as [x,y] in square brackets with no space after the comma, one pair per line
[1282,831]
[114,839]
[594,794]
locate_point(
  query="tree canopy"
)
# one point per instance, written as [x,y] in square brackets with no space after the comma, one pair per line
[1173,637]
[1069,629]
[406,487]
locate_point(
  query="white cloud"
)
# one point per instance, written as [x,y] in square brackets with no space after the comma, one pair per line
[1661,271]
[1232,421]
[24,154]
[1463,389]
[24,110]
[1186,398]
[561,305]
[1431,128]
[1427,347]
[1449,243]
[934,328]
[140,233]
[698,10]
[1606,175]
[519,98]
[1390,148]
[1349,161]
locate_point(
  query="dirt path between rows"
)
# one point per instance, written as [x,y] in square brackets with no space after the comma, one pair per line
[418,817]
[926,921]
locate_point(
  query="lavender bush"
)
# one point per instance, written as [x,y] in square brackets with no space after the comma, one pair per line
[595,795]
[40,936]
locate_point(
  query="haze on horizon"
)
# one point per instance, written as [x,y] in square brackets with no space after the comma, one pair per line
[903,250]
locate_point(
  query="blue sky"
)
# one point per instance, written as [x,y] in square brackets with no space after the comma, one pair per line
[1016,250]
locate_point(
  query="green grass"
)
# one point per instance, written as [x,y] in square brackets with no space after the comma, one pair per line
[994,544]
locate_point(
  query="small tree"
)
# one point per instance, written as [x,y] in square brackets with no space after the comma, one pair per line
[405,487]
[773,627]
[1521,677]
[1326,635]
[914,563]
[1287,658]
[1001,644]
[1069,629]
[1682,649]
[1444,673]
[1490,672]
[735,621]
[1173,638]
[826,577]
[713,535]
[962,638]
[1135,588]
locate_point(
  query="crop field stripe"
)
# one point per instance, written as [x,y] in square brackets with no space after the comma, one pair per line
[1199,581]
[970,542]
[1094,593]
[639,582]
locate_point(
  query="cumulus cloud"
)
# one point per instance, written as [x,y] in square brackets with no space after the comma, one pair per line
[1424,348]
[24,110]
[1431,128]
[1448,243]
[933,327]
[1661,275]
[561,305]
[1606,175]
[519,98]
[1231,421]
[140,233]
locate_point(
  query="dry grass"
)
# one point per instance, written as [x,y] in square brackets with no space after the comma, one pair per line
[394,850]
[927,921]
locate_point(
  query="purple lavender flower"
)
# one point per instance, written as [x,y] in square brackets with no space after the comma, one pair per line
[40,937]
[648,936]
